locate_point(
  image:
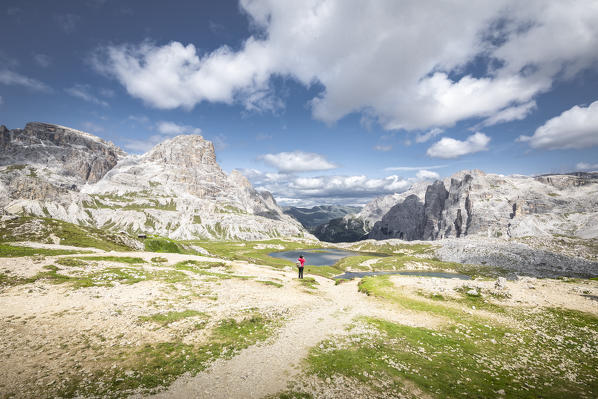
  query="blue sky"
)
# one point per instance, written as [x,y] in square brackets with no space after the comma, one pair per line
[322,101]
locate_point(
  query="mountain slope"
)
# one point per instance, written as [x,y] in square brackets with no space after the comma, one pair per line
[177,189]
[317,215]
[476,203]
[355,227]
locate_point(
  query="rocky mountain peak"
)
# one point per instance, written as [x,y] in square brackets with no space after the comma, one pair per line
[188,151]
[237,179]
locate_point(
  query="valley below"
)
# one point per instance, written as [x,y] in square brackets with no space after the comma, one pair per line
[223,319]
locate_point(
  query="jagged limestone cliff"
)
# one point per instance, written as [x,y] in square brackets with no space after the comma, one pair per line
[475,203]
[177,189]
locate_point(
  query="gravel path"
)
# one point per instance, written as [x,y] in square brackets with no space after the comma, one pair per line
[267,368]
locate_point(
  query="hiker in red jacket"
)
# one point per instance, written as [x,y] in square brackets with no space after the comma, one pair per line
[300,264]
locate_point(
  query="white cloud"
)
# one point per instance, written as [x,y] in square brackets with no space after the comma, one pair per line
[291,189]
[422,138]
[383,148]
[11,78]
[586,166]
[450,148]
[84,93]
[297,161]
[427,175]
[508,114]
[390,65]
[173,129]
[574,128]
[42,60]
[175,75]
[1,100]
[412,168]
[142,146]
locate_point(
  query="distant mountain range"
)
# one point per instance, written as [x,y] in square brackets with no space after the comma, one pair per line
[310,218]
[475,203]
[176,189]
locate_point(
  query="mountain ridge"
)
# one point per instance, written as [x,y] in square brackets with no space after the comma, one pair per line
[317,215]
[176,189]
[471,202]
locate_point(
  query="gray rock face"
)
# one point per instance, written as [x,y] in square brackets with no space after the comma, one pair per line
[436,196]
[403,221]
[177,189]
[355,227]
[345,229]
[493,206]
[83,157]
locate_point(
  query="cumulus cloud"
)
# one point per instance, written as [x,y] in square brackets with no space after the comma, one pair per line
[390,64]
[173,129]
[427,175]
[292,189]
[297,161]
[586,166]
[574,128]
[508,114]
[84,93]
[451,148]
[11,78]
[423,137]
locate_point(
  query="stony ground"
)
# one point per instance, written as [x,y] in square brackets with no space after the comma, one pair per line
[141,324]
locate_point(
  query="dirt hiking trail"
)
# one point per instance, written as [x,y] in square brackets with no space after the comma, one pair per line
[267,368]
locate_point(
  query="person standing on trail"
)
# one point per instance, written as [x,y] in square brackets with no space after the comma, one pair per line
[300,264]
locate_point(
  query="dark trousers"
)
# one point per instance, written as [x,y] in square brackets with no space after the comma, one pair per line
[300,272]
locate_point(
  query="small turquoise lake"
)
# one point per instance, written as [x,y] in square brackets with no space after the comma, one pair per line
[315,257]
[329,256]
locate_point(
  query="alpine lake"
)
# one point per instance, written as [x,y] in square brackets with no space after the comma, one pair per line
[329,256]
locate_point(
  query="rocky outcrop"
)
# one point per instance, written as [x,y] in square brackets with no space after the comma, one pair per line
[177,189]
[357,225]
[68,152]
[403,221]
[436,196]
[490,205]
